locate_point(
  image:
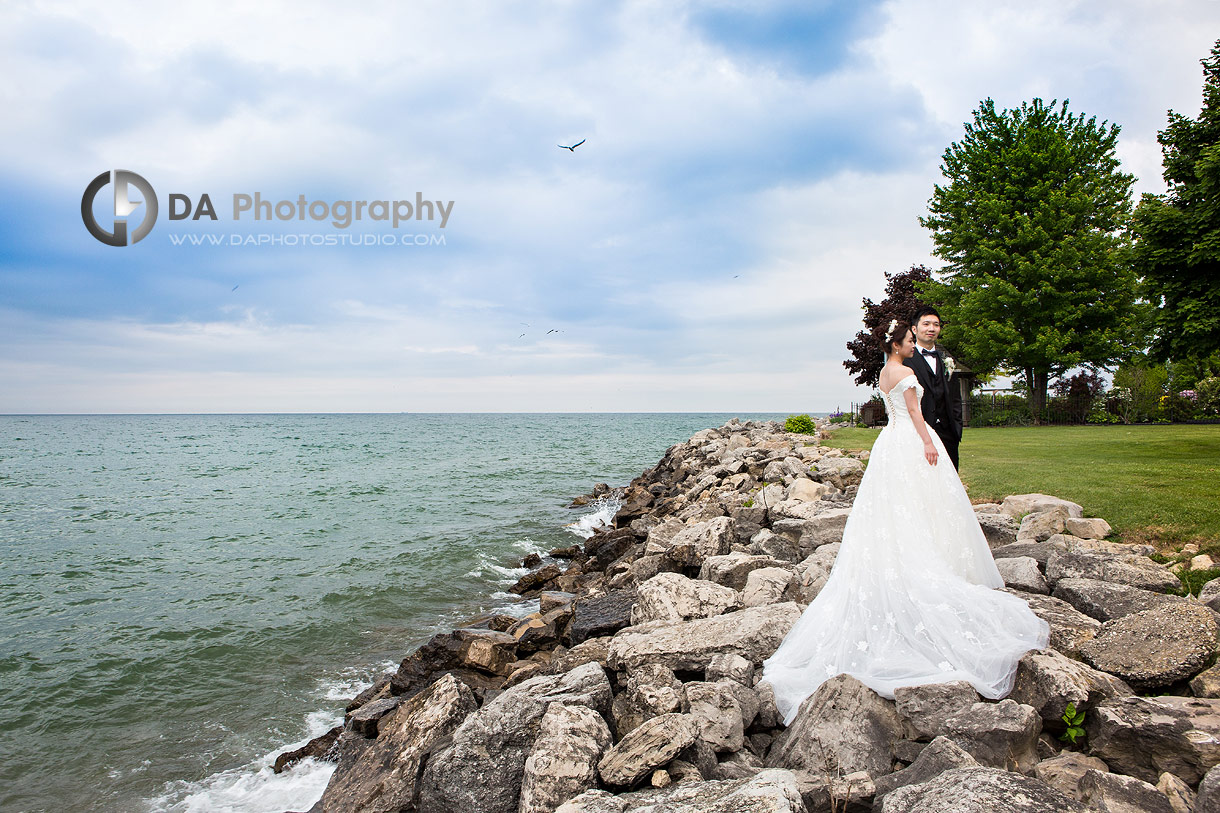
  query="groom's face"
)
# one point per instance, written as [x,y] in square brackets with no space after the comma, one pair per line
[928,329]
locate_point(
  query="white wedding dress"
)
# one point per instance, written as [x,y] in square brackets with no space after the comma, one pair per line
[910,598]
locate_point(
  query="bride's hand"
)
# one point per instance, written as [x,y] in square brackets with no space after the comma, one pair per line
[929,452]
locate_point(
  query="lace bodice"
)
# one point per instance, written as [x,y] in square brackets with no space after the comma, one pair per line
[895,403]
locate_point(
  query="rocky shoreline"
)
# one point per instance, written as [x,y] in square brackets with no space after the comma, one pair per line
[635,687]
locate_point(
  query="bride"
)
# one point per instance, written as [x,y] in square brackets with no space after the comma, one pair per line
[910,599]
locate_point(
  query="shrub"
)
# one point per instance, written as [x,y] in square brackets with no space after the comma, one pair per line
[1207,394]
[801,424]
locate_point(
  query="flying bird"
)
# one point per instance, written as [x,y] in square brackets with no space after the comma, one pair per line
[521,335]
[552,330]
[234,288]
[574,146]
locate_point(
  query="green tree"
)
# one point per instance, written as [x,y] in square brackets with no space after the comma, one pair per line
[1177,246]
[868,348]
[1031,224]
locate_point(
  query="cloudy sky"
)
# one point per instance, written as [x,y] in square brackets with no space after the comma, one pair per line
[749,172]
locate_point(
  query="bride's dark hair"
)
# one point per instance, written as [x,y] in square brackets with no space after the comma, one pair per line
[893,333]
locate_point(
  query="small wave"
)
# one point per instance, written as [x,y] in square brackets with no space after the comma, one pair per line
[529,546]
[507,575]
[512,604]
[256,787]
[601,513]
[351,681]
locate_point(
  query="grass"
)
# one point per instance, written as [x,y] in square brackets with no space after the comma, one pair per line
[1153,484]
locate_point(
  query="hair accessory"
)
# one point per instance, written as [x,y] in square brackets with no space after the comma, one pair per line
[889,334]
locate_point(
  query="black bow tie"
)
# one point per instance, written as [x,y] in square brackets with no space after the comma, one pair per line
[927,352]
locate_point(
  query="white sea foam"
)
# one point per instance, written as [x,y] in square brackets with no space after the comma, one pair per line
[601,514]
[505,575]
[256,788]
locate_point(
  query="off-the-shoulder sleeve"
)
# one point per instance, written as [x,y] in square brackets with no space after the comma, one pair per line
[906,383]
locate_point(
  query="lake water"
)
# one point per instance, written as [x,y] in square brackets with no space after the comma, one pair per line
[185,596]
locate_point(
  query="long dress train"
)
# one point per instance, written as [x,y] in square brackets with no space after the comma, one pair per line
[910,599]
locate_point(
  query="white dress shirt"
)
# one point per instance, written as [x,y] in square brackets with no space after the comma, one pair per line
[933,361]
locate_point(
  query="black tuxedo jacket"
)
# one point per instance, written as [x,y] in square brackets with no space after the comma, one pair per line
[942,398]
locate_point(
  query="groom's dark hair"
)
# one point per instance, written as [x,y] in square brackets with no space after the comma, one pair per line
[926,310]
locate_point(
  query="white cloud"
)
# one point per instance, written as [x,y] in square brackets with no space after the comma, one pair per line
[707,248]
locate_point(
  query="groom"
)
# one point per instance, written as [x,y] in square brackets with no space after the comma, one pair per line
[942,399]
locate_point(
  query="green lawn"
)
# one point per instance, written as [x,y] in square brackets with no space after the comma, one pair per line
[1152,483]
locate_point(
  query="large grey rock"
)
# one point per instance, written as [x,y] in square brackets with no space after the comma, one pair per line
[999,529]
[661,536]
[1040,552]
[1020,504]
[840,472]
[807,490]
[1115,793]
[496,740]
[674,597]
[646,747]
[753,633]
[1181,797]
[768,791]
[1106,601]
[810,575]
[1151,649]
[1135,570]
[1063,772]
[1041,525]
[1210,594]
[1146,736]
[926,707]
[1022,573]
[1070,628]
[382,774]
[1091,528]
[979,790]
[767,585]
[942,754]
[651,689]
[1001,735]
[563,760]
[814,525]
[733,569]
[716,711]
[1208,798]
[695,543]
[1048,681]
[1206,683]
[844,725]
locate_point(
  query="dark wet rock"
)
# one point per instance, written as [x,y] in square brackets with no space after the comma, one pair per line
[536,580]
[364,720]
[599,616]
[318,748]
